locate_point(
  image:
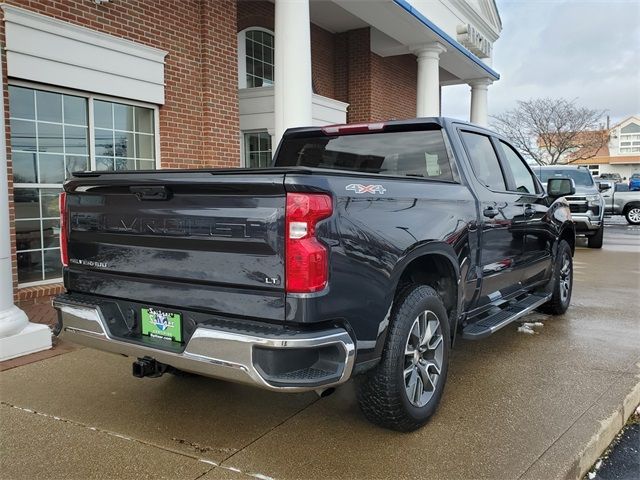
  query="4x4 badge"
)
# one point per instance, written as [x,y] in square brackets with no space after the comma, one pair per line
[358,188]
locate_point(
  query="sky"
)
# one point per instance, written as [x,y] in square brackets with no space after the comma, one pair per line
[588,50]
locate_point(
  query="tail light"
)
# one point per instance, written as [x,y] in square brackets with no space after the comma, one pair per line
[307,266]
[64,226]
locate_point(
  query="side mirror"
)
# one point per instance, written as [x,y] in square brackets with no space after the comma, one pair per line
[603,187]
[560,187]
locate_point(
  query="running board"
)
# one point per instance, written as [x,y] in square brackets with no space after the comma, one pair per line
[491,324]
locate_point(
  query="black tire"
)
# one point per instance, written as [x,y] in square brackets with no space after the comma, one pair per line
[633,215]
[595,241]
[383,393]
[561,291]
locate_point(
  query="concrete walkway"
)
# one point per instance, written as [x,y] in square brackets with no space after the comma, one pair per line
[515,406]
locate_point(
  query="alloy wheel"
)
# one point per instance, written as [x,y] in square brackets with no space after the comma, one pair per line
[634,215]
[565,277]
[423,352]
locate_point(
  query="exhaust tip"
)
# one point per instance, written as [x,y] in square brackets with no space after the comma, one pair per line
[325,392]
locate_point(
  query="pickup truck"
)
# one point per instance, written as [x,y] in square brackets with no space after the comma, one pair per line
[363,252]
[619,200]
[587,206]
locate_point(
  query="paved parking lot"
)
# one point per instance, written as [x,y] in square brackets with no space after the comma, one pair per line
[515,406]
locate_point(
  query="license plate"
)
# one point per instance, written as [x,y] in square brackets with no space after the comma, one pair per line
[157,323]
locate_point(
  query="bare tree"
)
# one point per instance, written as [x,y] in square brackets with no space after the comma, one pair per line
[553,131]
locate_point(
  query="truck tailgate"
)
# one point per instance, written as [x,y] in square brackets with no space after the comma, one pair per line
[199,240]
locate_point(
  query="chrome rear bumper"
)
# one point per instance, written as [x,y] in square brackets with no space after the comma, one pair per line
[267,360]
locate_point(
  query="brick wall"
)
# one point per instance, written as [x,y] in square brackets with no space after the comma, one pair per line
[199,121]
[393,87]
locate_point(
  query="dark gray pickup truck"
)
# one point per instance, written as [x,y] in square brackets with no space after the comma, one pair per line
[363,252]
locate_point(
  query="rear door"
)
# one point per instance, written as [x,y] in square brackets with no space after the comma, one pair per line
[501,219]
[194,240]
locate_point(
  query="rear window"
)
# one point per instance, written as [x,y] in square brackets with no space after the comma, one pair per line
[420,154]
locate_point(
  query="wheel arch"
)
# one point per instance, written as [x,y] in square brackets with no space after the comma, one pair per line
[630,205]
[568,233]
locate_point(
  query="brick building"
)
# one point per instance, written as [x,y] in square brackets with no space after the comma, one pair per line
[138,84]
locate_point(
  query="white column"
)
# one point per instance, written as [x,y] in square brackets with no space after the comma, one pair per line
[292,66]
[17,335]
[479,107]
[428,94]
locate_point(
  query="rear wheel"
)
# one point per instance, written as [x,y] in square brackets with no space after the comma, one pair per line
[595,241]
[404,389]
[633,216]
[561,285]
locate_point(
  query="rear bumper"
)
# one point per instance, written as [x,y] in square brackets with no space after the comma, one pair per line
[295,361]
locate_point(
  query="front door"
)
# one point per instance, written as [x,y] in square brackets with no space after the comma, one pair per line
[501,220]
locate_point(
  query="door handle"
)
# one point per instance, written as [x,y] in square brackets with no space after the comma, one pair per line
[490,212]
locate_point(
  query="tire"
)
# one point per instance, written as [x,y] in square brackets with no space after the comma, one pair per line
[633,215]
[595,241]
[395,393]
[561,284]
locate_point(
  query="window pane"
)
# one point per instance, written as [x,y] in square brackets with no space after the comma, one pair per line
[49,106]
[51,233]
[484,160]
[25,166]
[104,163]
[52,264]
[144,120]
[75,140]
[123,117]
[522,176]
[23,135]
[146,164]
[124,144]
[259,58]
[49,198]
[22,103]
[104,142]
[27,203]
[75,110]
[29,266]
[49,137]
[51,168]
[144,146]
[28,234]
[102,114]
[76,164]
[125,164]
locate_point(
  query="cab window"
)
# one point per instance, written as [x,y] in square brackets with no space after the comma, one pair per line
[484,161]
[524,182]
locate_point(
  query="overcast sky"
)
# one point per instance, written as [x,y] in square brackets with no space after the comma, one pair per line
[584,49]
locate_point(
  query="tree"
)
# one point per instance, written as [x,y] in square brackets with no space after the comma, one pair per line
[552,131]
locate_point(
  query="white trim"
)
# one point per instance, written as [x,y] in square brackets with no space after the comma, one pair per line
[40,282]
[44,49]
[38,21]
[242,53]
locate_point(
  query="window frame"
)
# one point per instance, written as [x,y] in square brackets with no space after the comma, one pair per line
[90,98]
[242,55]
[243,146]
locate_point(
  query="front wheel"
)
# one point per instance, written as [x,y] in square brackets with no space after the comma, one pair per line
[561,284]
[404,389]
[633,216]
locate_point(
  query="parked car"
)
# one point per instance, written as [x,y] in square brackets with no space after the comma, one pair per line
[619,200]
[616,177]
[363,252]
[634,182]
[587,206]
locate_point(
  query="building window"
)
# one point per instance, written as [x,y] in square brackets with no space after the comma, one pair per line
[51,137]
[255,56]
[595,170]
[257,149]
[630,138]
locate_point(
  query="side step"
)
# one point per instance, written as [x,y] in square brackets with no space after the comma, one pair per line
[488,325]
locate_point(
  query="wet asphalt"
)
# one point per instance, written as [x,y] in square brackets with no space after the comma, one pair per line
[515,406]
